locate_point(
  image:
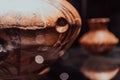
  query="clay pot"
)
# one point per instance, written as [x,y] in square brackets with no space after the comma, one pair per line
[98,40]
[33,33]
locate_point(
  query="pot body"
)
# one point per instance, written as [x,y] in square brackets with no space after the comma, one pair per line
[31,40]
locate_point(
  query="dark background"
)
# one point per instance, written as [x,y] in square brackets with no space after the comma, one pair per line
[75,56]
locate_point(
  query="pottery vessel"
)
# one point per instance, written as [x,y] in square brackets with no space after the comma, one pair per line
[98,40]
[33,35]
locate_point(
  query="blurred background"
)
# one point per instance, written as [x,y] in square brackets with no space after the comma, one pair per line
[68,66]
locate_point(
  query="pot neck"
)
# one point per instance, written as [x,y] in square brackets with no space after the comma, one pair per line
[98,23]
[98,26]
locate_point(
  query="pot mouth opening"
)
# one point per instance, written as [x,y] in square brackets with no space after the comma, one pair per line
[98,20]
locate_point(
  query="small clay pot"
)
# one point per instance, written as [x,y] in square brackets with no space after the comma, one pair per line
[99,40]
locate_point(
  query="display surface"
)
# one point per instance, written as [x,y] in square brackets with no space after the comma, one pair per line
[33,34]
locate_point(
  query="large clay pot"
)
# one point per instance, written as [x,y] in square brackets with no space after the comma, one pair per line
[33,34]
[98,40]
